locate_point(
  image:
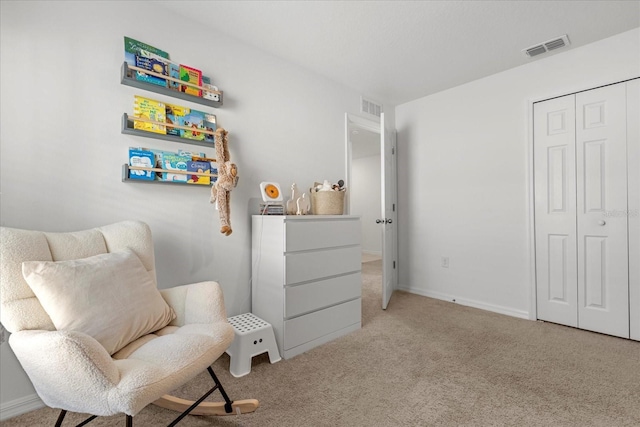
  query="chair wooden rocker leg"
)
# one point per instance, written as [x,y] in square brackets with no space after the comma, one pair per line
[199,407]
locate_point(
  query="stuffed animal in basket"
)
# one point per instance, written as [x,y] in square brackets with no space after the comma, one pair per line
[227,180]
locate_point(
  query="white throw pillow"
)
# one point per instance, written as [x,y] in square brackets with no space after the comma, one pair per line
[110,297]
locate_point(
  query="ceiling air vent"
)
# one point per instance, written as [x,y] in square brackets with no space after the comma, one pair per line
[552,44]
[370,107]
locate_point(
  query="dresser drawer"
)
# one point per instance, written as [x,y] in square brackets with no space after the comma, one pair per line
[308,266]
[306,235]
[311,326]
[313,296]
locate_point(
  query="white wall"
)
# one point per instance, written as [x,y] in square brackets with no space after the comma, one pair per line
[464,178]
[366,200]
[62,150]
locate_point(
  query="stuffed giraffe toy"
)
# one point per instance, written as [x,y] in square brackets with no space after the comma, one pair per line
[227,180]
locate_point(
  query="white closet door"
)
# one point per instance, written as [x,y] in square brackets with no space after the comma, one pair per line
[555,210]
[633,170]
[601,166]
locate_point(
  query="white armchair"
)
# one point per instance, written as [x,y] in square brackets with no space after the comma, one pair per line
[92,331]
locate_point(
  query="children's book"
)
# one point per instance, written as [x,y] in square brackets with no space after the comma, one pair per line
[134,47]
[213,166]
[175,115]
[174,71]
[195,121]
[194,155]
[191,75]
[154,65]
[174,161]
[209,89]
[201,167]
[149,109]
[144,158]
[210,125]
[157,155]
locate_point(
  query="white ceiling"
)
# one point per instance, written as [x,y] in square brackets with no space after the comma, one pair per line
[397,51]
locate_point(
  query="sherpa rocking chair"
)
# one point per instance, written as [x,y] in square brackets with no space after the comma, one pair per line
[94,334]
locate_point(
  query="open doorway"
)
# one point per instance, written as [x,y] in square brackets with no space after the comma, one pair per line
[387,219]
[365,184]
[364,181]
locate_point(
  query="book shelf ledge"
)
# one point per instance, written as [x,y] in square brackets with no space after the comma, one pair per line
[127,128]
[126,168]
[125,79]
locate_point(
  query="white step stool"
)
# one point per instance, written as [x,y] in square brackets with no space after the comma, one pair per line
[253,336]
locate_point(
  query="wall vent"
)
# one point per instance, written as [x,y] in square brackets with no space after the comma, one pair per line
[370,107]
[547,46]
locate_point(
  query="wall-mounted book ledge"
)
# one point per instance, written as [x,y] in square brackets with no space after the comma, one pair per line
[127,77]
[126,177]
[128,129]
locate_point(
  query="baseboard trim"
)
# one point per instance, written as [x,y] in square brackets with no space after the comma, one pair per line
[467,302]
[20,406]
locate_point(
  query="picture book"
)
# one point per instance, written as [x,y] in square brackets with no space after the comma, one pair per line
[209,90]
[195,121]
[157,154]
[154,65]
[210,125]
[213,165]
[191,75]
[151,110]
[192,154]
[134,47]
[174,161]
[143,158]
[201,167]
[175,115]
[174,71]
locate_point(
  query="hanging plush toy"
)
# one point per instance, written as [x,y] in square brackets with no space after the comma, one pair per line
[227,180]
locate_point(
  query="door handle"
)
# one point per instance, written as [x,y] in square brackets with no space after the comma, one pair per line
[602,222]
[379,221]
[389,221]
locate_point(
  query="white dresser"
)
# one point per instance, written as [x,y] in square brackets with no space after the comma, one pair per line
[306,278]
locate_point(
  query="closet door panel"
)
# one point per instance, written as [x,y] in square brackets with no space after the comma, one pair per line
[633,171]
[555,210]
[601,168]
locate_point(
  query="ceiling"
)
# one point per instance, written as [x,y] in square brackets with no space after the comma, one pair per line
[397,51]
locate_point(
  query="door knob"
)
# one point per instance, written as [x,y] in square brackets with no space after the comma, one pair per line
[388,221]
[602,222]
[378,221]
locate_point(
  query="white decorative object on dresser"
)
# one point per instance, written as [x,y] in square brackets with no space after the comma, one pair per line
[306,278]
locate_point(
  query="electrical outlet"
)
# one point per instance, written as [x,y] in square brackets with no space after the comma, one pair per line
[445,262]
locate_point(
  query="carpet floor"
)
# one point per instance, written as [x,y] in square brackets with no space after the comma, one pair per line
[425,362]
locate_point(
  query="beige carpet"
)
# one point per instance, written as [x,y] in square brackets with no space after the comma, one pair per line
[425,362]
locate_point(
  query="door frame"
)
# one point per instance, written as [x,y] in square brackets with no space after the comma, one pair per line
[374,126]
[531,232]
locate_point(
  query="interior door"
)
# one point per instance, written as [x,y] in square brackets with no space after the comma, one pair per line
[388,212]
[601,166]
[555,210]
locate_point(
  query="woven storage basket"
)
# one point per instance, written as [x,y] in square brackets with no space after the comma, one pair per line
[327,202]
